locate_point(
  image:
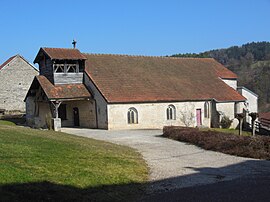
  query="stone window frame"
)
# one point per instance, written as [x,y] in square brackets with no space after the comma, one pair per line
[206,109]
[132,116]
[171,112]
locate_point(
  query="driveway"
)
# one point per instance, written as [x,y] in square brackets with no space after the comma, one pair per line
[175,165]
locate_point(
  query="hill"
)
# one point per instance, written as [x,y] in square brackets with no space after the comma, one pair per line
[251,62]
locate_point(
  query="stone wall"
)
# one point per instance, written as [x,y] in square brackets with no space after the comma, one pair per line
[87,113]
[226,109]
[15,80]
[154,115]
[100,102]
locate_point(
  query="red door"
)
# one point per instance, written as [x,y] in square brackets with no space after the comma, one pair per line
[199,117]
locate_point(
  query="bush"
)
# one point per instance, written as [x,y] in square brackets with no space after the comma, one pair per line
[225,122]
[245,146]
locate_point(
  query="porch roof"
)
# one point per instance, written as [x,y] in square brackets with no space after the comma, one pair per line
[63,91]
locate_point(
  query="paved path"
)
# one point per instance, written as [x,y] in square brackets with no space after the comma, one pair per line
[175,165]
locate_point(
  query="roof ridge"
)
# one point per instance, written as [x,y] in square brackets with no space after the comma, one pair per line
[144,56]
[59,48]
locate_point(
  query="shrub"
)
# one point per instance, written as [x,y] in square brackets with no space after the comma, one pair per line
[225,122]
[245,146]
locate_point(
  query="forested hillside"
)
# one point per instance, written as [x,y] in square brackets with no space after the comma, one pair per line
[251,62]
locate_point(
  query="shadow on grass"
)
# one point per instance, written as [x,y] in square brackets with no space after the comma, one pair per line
[16,119]
[47,191]
[246,181]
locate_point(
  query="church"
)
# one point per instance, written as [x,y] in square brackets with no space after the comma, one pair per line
[108,91]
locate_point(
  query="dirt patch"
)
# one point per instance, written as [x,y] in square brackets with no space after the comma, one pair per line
[246,146]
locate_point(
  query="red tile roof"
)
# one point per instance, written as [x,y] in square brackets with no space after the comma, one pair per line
[63,91]
[223,72]
[264,115]
[61,54]
[7,61]
[122,78]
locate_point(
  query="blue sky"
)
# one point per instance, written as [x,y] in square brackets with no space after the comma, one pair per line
[137,27]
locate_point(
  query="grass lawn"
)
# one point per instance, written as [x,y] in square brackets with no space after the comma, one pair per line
[38,165]
[4,122]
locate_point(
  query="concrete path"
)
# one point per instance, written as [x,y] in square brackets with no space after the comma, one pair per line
[175,165]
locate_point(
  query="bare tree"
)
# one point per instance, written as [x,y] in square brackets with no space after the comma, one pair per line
[187,115]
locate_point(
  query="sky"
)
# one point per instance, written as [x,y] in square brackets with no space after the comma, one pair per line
[134,27]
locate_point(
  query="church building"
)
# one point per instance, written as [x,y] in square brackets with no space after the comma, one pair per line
[109,91]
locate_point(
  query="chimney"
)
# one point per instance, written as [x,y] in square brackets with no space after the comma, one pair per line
[74,43]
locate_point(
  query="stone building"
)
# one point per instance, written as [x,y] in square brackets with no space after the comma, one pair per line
[131,92]
[16,76]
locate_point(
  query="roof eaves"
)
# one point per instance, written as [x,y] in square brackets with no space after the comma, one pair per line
[89,76]
[242,87]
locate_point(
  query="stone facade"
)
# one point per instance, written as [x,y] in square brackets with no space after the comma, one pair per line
[100,104]
[15,79]
[131,108]
[39,114]
[154,115]
[87,116]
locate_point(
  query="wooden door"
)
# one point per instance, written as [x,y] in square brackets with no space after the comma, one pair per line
[199,117]
[76,118]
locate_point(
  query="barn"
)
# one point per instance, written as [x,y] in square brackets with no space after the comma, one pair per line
[16,76]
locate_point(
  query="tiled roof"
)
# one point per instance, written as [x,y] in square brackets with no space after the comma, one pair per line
[122,78]
[264,115]
[19,56]
[63,91]
[223,72]
[61,54]
[7,61]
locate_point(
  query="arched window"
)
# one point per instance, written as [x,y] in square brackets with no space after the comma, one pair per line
[171,112]
[132,116]
[206,110]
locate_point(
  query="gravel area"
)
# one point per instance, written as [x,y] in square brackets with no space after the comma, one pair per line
[175,165]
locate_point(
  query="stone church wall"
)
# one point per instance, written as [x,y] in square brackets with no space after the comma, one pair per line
[154,115]
[100,102]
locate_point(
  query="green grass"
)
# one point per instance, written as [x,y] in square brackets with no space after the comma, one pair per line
[60,163]
[9,123]
[226,130]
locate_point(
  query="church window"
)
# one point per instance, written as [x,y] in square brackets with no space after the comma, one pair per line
[132,116]
[171,112]
[206,110]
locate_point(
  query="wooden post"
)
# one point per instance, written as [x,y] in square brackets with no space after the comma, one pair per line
[253,116]
[56,121]
[56,107]
[240,118]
